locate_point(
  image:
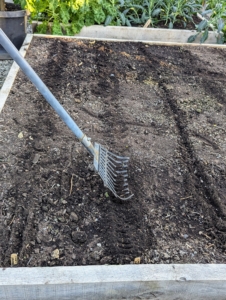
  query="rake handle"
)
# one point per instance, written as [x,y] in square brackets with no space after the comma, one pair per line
[42,88]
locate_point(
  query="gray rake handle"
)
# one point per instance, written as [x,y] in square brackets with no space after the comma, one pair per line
[110,167]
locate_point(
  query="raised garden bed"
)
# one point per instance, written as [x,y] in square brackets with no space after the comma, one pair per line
[163,107]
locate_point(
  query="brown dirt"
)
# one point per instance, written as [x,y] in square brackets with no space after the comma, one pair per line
[179,24]
[162,106]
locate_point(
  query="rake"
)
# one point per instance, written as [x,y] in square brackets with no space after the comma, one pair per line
[111,168]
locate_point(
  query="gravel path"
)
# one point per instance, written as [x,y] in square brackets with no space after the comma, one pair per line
[5,66]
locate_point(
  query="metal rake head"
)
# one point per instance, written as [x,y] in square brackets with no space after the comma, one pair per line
[113,171]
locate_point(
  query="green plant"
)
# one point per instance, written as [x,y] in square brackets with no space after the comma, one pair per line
[179,10]
[68,16]
[135,12]
[224,32]
[126,13]
[214,17]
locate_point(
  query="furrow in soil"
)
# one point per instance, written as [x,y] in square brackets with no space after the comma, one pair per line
[161,106]
[208,189]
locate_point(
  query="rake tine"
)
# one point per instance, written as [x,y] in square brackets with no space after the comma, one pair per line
[118,160]
[112,169]
[115,155]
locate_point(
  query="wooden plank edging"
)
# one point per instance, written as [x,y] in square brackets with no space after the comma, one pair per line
[163,282]
[113,273]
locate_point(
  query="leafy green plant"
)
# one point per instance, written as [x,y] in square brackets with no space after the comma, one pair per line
[135,12]
[214,17]
[126,14]
[224,32]
[68,16]
[179,11]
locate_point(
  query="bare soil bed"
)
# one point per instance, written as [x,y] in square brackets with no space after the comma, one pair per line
[164,107]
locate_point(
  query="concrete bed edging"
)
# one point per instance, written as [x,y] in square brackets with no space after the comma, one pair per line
[162,282]
[163,35]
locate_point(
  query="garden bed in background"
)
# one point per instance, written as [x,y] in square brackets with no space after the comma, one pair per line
[161,35]
[162,106]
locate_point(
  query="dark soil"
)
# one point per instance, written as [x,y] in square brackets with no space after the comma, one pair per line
[180,24]
[164,107]
[12,7]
